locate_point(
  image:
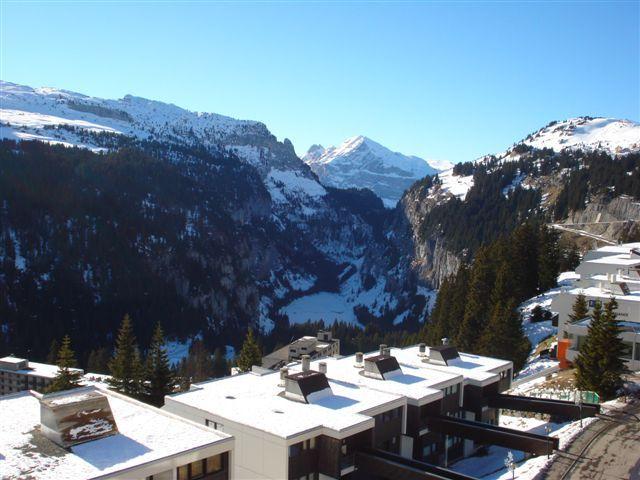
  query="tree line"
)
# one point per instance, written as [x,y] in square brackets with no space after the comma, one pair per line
[477,308]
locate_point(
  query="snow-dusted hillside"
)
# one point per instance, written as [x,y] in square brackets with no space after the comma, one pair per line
[616,137]
[359,162]
[608,134]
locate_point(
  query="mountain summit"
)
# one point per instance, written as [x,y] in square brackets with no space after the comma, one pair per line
[360,162]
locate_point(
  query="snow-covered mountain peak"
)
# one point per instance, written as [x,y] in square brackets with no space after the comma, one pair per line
[612,135]
[360,162]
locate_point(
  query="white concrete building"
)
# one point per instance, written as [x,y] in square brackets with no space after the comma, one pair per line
[17,374]
[90,433]
[605,273]
[308,420]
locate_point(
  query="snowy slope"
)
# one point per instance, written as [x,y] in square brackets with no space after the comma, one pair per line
[616,137]
[609,134]
[359,162]
[61,116]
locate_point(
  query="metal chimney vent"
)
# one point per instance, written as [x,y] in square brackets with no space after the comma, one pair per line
[306,363]
[382,348]
[284,371]
[322,367]
[359,360]
[445,341]
[422,350]
[76,416]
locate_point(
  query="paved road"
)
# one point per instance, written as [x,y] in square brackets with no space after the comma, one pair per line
[610,450]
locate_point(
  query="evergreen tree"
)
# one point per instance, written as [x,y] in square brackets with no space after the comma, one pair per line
[548,259]
[98,361]
[220,365]
[477,302]
[504,337]
[580,308]
[250,354]
[159,380]
[600,366]
[54,348]
[126,366]
[65,379]
[198,365]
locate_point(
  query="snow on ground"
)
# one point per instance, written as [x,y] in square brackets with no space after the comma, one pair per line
[457,186]
[535,366]
[177,350]
[491,466]
[331,306]
[612,135]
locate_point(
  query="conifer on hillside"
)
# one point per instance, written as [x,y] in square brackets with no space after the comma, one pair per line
[126,365]
[65,379]
[580,308]
[600,366]
[159,379]
[477,302]
[250,354]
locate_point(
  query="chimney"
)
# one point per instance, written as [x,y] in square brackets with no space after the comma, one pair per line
[284,371]
[76,416]
[322,367]
[359,360]
[422,350]
[306,363]
[445,341]
[382,348]
[386,351]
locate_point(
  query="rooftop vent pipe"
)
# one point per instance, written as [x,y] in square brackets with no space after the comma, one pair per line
[445,341]
[422,350]
[386,351]
[284,371]
[382,348]
[359,360]
[322,367]
[306,363]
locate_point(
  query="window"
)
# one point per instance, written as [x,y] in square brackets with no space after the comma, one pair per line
[199,468]
[628,349]
[214,464]
[214,425]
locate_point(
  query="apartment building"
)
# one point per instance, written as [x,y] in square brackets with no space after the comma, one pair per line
[313,418]
[612,271]
[322,345]
[90,433]
[17,374]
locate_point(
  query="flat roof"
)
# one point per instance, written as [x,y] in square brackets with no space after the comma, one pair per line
[634,296]
[145,434]
[621,259]
[256,400]
[418,386]
[34,368]
[476,369]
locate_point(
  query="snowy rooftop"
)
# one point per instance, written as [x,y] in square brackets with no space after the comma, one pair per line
[605,295]
[34,368]
[256,401]
[623,259]
[475,369]
[419,386]
[145,434]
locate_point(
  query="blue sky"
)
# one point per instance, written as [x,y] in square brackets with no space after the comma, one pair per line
[445,80]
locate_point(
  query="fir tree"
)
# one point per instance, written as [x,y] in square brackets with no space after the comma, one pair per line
[477,300]
[126,366]
[220,365]
[580,308]
[54,348]
[250,354]
[65,379]
[587,373]
[98,361]
[504,337]
[159,380]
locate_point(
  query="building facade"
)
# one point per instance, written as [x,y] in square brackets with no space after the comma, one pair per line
[18,374]
[609,272]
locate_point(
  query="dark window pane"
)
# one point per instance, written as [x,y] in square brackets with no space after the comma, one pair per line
[214,464]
